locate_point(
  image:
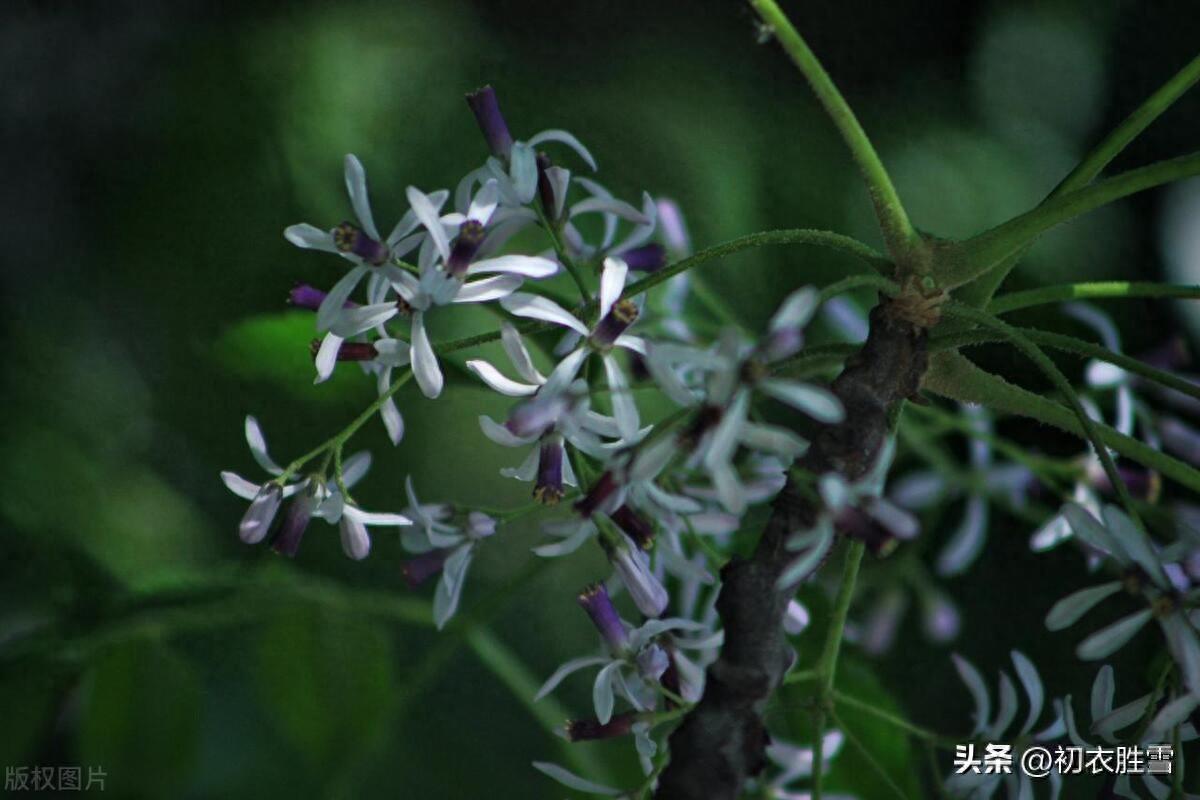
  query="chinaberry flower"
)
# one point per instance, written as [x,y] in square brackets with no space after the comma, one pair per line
[442,547]
[311,498]
[634,660]
[795,763]
[445,266]
[924,488]
[976,781]
[616,316]
[730,375]
[855,509]
[513,163]
[550,420]
[1144,577]
[1107,721]
[360,244]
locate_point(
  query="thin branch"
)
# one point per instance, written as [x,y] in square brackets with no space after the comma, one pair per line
[1093,290]
[902,239]
[981,290]
[953,376]
[1051,371]
[982,253]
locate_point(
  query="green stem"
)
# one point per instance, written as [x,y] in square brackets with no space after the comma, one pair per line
[1128,130]
[1048,368]
[343,436]
[892,719]
[1088,291]
[1070,344]
[953,376]
[808,236]
[818,767]
[980,292]
[978,255]
[561,251]
[902,239]
[827,665]
[852,282]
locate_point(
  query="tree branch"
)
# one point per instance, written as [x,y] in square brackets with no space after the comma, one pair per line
[722,741]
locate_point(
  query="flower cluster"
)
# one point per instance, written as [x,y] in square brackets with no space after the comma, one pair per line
[565,265]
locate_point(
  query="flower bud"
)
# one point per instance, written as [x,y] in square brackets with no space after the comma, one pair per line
[356,543]
[487,113]
[261,513]
[648,594]
[421,568]
[295,523]
[598,605]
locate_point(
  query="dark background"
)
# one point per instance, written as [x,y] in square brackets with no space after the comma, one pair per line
[156,151]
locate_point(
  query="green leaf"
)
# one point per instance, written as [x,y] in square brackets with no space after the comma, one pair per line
[326,682]
[890,748]
[141,713]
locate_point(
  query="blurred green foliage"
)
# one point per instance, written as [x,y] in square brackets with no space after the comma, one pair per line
[137,633]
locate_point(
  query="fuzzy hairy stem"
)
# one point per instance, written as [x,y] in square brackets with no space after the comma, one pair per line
[902,239]
[721,742]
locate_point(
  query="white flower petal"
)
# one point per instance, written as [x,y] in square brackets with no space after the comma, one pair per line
[1067,611]
[502,435]
[427,213]
[356,187]
[310,237]
[559,135]
[522,166]
[1089,529]
[816,551]
[425,365]
[568,545]
[353,321]
[527,471]
[1108,640]
[247,490]
[1103,690]
[967,542]
[327,355]
[1134,542]
[1006,711]
[796,310]
[609,205]
[518,354]
[258,446]
[450,586]
[356,543]
[488,289]
[526,266]
[725,438]
[612,283]
[565,372]
[484,204]
[820,404]
[602,691]
[624,408]
[1032,682]
[1185,649]
[532,306]
[566,669]
[355,467]
[979,693]
[498,381]
[334,303]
